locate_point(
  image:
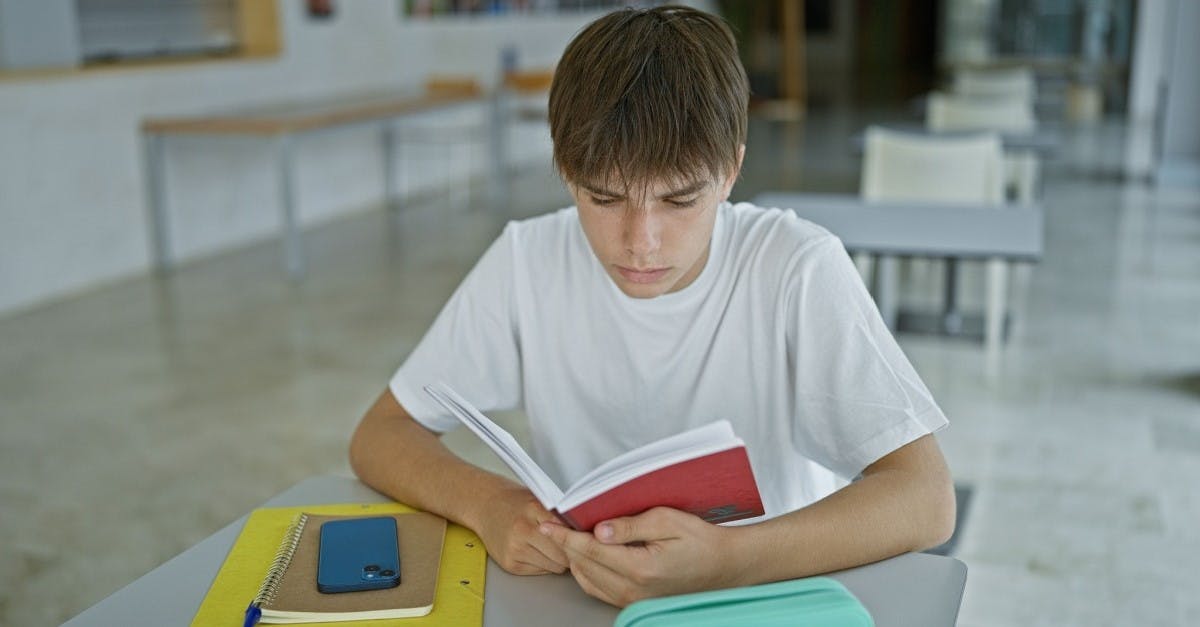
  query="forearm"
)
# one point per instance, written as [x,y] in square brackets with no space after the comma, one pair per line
[397,456]
[889,511]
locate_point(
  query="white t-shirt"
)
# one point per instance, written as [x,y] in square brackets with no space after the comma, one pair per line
[777,335]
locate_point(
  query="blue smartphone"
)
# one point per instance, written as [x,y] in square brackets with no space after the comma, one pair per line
[358,554]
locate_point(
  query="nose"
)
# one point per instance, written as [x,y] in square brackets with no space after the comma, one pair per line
[642,233]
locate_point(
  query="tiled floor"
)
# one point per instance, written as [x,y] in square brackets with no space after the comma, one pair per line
[139,418]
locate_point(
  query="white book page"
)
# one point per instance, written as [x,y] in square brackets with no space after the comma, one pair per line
[711,438]
[500,441]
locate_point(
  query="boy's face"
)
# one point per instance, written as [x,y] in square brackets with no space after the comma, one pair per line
[652,241]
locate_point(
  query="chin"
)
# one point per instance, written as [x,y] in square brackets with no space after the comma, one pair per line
[642,290]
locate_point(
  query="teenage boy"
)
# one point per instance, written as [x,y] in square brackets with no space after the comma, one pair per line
[654,306]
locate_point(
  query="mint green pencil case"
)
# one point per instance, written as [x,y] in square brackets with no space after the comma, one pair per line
[811,602]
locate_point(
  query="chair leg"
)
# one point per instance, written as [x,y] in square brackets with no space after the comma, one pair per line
[862,261]
[886,288]
[952,318]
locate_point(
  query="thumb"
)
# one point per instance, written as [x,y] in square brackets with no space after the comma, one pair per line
[654,524]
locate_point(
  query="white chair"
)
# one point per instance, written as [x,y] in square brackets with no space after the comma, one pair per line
[952,113]
[1015,82]
[961,169]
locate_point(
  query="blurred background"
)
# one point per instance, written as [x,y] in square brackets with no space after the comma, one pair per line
[224,223]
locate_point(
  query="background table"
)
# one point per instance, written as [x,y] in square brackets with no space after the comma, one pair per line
[999,235]
[283,123]
[912,589]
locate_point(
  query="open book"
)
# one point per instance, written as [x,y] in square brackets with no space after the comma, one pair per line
[704,471]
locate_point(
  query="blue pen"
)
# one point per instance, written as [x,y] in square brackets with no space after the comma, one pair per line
[253,613]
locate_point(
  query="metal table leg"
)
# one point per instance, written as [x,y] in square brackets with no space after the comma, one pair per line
[498,147]
[886,292]
[952,322]
[293,245]
[160,243]
[952,318]
[390,197]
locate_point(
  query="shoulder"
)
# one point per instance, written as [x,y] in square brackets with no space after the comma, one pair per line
[560,223]
[777,236]
[547,253]
[556,233]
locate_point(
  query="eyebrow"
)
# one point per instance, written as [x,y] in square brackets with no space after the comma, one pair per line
[686,190]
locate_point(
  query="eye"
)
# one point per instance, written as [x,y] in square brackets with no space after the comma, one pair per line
[603,202]
[682,204]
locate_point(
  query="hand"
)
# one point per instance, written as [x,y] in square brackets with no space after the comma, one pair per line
[659,552]
[509,531]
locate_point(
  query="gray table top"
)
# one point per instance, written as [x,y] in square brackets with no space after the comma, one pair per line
[911,589]
[930,229]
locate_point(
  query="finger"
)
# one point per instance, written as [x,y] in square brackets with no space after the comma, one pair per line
[548,562]
[588,586]
[604,583]
[524,569]
[660,523]
[552,553]
[539,551]
[576,542]
[582,546]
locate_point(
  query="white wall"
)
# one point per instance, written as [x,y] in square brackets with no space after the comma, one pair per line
[1147,73]
[1181,111]
[1163,139]
[72,203]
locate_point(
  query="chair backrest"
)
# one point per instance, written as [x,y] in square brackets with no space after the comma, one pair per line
[946,112]
[905,166]
[1015,82]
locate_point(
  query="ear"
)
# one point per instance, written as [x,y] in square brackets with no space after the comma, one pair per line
[732,178]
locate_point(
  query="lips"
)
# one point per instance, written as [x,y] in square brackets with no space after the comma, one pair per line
[649,275]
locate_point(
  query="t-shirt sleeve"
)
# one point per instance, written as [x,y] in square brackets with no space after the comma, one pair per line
[857,397]
[472,345]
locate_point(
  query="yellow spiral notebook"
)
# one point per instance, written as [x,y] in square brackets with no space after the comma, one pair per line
[261,555]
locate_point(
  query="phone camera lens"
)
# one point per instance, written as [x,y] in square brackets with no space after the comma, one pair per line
[370,568]
[387,573]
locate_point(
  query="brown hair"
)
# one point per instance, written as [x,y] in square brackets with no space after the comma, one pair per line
[649,94]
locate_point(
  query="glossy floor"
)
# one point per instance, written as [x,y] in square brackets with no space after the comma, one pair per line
[138,418]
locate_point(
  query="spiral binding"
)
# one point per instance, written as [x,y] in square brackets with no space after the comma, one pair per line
[283,558]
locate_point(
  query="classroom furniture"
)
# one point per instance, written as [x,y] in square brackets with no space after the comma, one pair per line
[523,97]
[454,139]
[910,589]
[529,92]
[950,112]
[1013,233]
[1000,113]
[1017,82]
[967,169]
[284,124]
[1042,142]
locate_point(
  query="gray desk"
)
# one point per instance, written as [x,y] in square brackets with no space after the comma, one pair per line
[1000,235]
[912,589]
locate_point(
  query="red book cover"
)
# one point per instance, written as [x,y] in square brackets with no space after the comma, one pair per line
[718,487]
